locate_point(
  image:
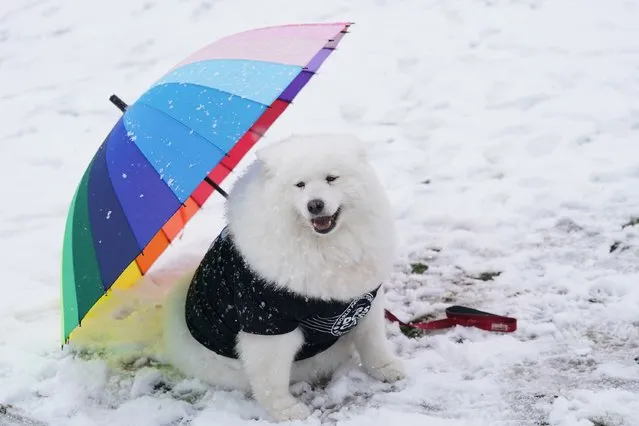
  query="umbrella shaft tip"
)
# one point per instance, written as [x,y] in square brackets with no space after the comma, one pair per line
[115,100]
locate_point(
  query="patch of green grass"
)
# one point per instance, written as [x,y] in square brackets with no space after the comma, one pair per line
[415,332]
[15,416]
[618,246]
[599,422]
[161,386]
[88,354]
[423,318]
[187,394]
[634,221]
[418,268]
[411,333]
[487,276]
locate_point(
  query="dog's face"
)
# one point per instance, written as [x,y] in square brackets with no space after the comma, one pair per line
[323,179]
[318,200]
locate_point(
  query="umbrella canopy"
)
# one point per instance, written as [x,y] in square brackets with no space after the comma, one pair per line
[172,148]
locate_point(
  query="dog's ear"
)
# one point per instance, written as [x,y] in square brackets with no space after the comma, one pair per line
[355,147]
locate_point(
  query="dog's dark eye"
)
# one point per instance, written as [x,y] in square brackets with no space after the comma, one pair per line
[300,184]
[331,178]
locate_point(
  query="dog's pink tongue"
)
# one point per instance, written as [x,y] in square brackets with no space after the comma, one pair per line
[322,223]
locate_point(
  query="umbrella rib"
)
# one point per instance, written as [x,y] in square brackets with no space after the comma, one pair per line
[117,195]
[226,154]
[216,186]
[235,95]
[184,125]
[226,92]
[128,224]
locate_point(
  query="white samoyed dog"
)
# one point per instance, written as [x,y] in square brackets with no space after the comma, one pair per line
[290,289]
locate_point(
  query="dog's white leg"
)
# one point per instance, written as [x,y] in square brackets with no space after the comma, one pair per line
[267,361]
[369,337]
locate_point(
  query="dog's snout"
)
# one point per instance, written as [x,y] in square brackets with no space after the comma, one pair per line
[315,206]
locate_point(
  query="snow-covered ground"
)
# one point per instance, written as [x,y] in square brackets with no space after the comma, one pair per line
[506,132]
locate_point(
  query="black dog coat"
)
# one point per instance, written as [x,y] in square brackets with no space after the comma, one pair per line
[226,297]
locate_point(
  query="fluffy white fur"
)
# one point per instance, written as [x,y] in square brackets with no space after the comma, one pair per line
[270,223]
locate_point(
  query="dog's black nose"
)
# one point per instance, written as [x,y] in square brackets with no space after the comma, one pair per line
[315,206]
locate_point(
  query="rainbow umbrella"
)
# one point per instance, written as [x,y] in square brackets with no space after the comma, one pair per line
[172,148]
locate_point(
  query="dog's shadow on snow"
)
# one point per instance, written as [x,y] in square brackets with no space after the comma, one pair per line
[349,392]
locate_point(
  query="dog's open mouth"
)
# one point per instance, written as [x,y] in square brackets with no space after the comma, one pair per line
[325,224]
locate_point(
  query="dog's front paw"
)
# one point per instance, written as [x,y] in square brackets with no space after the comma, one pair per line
[289,409]
[390,372]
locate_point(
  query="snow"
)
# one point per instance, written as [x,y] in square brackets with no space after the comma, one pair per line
[505,132]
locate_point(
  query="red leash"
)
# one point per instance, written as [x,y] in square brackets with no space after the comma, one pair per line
[467,317]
